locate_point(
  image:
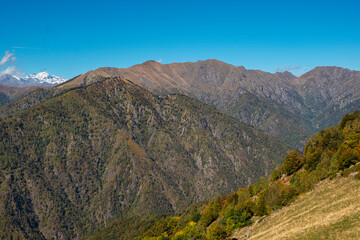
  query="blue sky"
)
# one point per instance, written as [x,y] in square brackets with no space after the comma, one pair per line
[67,38]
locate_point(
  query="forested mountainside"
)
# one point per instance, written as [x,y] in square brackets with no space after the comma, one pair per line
[74,160]
[313,195]
[290,107]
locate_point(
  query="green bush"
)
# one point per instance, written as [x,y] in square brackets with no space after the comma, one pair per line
[218,232]
[348,157]
[287,194]
[348,118]
[276,174]
[293,162]
[260,206]
[312,160]
[210,213]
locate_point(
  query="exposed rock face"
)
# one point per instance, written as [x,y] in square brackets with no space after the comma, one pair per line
[77,161]
[288,107]
[330,92]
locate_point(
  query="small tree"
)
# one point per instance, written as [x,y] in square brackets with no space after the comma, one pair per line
[348,157]
[312,160]
[293,162]
[218,232]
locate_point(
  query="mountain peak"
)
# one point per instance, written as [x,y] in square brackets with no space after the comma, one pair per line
[151,62]
[36,79]
[42,75]
[285,75]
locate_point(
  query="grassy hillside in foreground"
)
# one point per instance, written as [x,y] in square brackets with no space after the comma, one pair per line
[330,211]
[333,153]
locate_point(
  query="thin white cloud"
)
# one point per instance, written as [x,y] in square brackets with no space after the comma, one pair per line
[7,58]
[6,68]
[289,68]
[32,48]
[11,71]
[286,68]
[159,61]
[303,70]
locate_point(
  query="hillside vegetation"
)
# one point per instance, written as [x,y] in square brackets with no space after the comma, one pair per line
[328,211]
[84,157]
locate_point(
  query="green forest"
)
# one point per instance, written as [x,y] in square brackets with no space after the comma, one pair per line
[332,152]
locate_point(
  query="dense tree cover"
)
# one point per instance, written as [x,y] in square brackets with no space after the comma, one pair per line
[329,153]
[84,157]
[293,162]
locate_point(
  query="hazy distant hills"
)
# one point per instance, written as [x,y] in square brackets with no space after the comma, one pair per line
[83,157]
[287,106]
[8,94]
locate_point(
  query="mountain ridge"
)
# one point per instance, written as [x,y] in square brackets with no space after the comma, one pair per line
[244,94]
[302,99]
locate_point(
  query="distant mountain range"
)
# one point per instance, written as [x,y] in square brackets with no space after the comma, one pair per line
[13,87]
[39,79]
[289,107]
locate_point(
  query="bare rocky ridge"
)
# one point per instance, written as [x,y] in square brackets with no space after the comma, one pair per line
[330,92]
[289,107]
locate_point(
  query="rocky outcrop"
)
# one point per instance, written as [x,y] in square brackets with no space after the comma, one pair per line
[289,107]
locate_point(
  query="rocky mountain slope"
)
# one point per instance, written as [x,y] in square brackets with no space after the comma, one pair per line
[288,107]
[291,108]
[310,196]
[82,157]
[329,92]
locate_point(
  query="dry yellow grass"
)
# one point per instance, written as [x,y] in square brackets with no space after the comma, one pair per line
[330,211]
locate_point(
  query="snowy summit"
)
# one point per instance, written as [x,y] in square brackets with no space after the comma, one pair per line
[39,79]
[43,77]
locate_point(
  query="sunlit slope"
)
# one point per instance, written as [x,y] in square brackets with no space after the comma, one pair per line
[330,211]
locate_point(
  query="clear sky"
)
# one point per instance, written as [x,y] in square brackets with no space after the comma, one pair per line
[67,38]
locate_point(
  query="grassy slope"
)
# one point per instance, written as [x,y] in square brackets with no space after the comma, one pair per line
[330,211]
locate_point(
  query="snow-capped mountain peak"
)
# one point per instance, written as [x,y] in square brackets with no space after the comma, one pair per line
[40,75]
[44,77]
[36,79]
